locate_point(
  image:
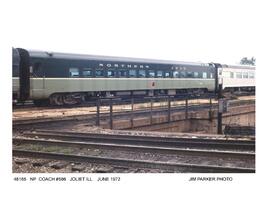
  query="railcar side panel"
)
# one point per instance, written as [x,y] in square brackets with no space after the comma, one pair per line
[44,87]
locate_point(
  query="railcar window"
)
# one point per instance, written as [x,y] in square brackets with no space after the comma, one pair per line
[167,75]
[15,70]
[36,70]
[142,73]
[226,74]
[87,73]
[175,74]
[231,75]
[122,73]
[111,73]
[251,75]
[74,72]
[159,73]
[151,73]
[183,74]
[211,75]
[238,75]
[189,75]
[245,75]
[195,74]
[132,73]
[99,73]
[204,75]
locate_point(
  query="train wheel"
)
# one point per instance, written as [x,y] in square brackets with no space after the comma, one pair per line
[66,99]
[70,100]
[56,99]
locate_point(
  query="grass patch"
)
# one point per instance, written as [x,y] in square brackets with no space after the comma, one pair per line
[42,148]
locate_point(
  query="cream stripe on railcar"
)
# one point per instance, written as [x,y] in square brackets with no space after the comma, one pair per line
[16,85]
[43,88]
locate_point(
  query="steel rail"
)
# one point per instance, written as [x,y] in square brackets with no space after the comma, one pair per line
[204,139]
[183,167]
[163,142]
[138,148]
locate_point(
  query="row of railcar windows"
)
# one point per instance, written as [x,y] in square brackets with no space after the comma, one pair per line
[132,73]
[242,75]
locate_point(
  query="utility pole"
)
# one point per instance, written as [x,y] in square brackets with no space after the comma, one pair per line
[111,113]
[169,109]
[98,111]
[186,109]
[132,112]
[220,106]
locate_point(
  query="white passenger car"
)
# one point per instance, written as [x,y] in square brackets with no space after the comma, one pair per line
[237,77]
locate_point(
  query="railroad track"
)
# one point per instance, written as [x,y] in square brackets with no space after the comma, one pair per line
[119,114]
[104,115]
[137,148]
[206,143]
[169,166]
[209,150]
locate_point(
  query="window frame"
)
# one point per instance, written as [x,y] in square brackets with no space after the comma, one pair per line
[239,73]
[162,74]
[87,70]
[245,75]
[129,70]
[123,70]
[204,75]
[169,72]
[182,74]
[113,71]
[251,73]
[77,71]
[177,72]
[139,75]
[100,70]
[149,72]
[189,74]
[195,74]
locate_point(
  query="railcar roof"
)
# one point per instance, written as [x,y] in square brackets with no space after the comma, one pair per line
[239,66]
[58,55]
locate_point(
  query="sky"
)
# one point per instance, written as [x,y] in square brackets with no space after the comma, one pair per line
[188,30]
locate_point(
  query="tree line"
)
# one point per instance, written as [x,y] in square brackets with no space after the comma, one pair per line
[247,61]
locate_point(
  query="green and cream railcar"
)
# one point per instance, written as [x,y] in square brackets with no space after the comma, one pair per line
[69,78]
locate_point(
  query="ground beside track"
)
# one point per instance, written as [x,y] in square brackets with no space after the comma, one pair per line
[27,165]
[45,112]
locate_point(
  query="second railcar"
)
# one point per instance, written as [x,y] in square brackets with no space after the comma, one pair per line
[237,77]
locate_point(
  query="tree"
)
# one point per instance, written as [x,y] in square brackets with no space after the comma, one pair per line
[246,61]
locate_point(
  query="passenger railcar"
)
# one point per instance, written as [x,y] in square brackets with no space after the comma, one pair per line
[61,78]
[235,77]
